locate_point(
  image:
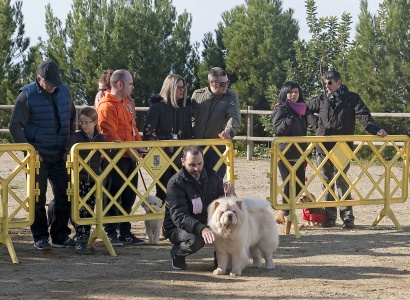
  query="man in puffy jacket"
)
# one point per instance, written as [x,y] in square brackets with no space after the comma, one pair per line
[337,109]
[44,116]
[189,193]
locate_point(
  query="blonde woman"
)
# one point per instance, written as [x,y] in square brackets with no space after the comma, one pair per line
[169,117]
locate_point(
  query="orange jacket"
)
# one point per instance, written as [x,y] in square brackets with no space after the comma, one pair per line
[115,119]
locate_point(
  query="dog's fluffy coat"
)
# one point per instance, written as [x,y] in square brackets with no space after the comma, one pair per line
[153,227]
[242,228]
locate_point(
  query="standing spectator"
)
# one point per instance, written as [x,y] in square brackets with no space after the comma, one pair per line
[215,114]
[116,122]
[88,133]
[189,193]
[337,108]
[289,119]
[169,117]
[103,86]
[44,116]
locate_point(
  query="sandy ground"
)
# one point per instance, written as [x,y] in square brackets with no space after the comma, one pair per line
[364,263]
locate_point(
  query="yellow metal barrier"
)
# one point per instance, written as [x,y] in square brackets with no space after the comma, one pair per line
[153,165]
[366,188]
[16,210]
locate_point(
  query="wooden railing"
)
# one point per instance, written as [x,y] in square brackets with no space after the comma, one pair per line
[249,138]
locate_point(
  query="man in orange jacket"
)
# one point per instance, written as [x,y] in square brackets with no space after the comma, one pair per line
[117,124]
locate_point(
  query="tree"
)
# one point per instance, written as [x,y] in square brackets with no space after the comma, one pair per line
[13,46]
[143,36]
[327,49]
[213,54]
[379,62]
[258,38]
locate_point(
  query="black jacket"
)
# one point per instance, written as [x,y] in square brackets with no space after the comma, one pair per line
[163,120]
[181,190]
[95,160]
[337,115]
[288,123]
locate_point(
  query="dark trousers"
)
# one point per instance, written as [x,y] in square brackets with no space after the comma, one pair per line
[160,193]
[211,158]
[52,168]
[328,173]
[113,183]
[284,173]
[185,243]
[83,231]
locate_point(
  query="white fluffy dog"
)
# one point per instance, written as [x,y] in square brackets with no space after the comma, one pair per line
[242,228]
[153,227]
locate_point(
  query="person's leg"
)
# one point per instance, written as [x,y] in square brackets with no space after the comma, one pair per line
[211,158]
[110,183]
[327,173]
[160,193]
[346,212]
[83,231]
[58,178]
[39,228]
[184,244]
[284,174]
[127,201]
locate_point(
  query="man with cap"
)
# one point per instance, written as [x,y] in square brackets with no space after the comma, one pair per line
[44,116]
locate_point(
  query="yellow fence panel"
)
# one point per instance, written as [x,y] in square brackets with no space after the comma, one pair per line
[369,187]
[149,170]
[16,209]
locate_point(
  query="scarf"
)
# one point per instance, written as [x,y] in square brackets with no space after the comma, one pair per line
[297,107]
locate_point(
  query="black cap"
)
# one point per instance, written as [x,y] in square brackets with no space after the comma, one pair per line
[50,72]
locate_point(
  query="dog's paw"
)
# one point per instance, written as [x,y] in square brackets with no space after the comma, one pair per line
[269,265]
[235,273]
[219,271]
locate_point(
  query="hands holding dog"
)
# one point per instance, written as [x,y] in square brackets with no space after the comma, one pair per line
[208,235]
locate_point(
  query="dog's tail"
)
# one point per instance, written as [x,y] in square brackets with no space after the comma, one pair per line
[256,204]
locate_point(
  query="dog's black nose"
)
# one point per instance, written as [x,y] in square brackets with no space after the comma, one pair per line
[229,217]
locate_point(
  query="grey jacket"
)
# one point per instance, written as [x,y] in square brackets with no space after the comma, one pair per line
[214,113]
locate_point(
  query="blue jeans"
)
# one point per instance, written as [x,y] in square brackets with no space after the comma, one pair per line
[53,169]
[185,243]
[328,173]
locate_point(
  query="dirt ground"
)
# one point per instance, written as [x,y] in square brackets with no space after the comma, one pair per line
[364,263]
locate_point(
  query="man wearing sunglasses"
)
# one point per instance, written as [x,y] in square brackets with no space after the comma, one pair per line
[337,109]
[216,114]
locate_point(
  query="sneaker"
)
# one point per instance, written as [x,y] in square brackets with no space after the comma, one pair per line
[177,262]
[81,248]
[69,242]
[42,244]
[348,224]
[115,241]
[329,223]
[131,240]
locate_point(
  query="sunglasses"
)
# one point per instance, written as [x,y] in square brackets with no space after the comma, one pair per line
[329,83]
[223,84]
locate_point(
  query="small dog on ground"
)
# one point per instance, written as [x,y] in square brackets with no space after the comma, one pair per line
[313,216]
[153,228]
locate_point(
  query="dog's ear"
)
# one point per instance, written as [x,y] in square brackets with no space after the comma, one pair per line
[239,203]
[213,207]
